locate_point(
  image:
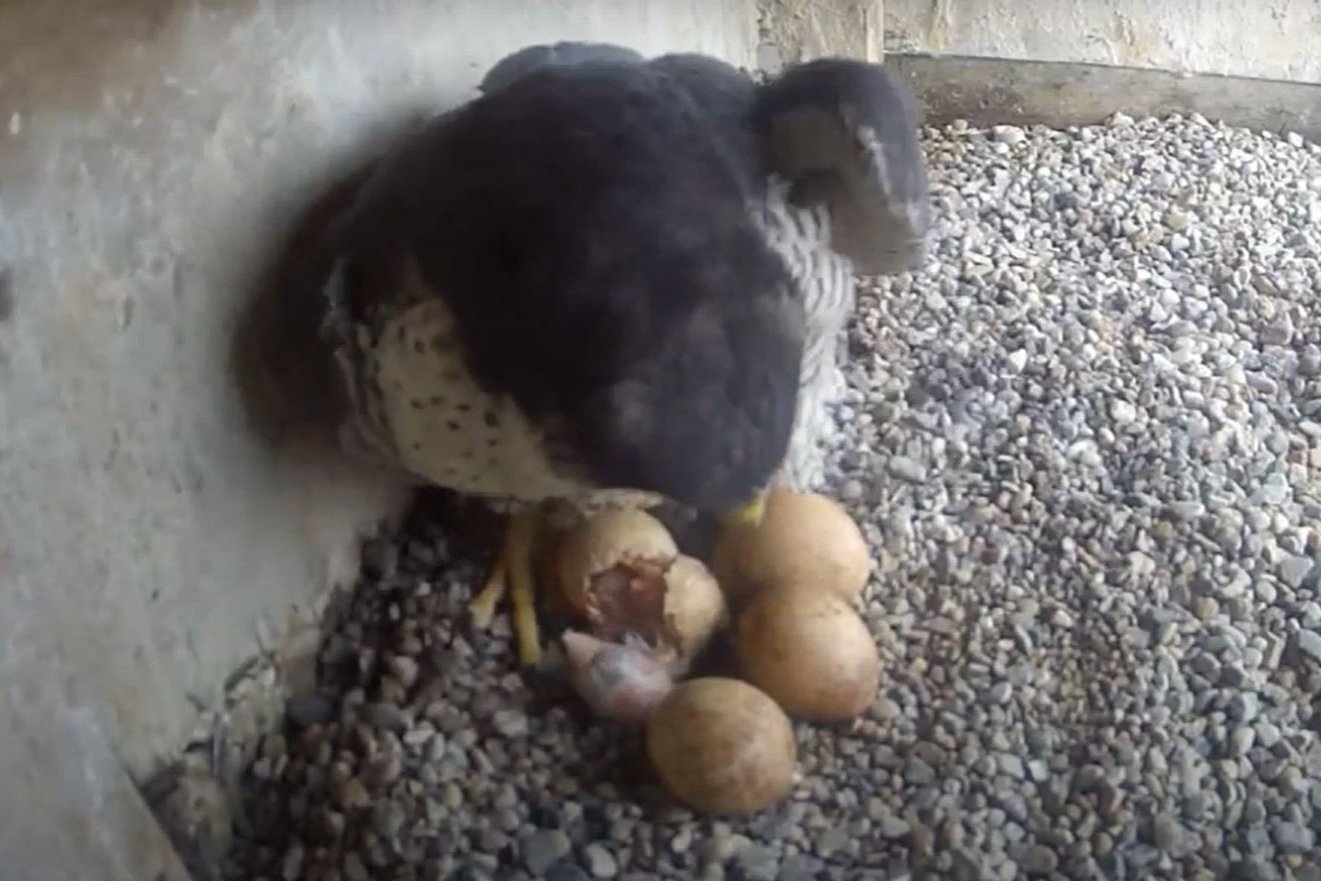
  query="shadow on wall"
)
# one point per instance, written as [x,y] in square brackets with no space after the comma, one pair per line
[285,374]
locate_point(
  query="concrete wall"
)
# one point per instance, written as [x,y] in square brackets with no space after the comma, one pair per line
[153,537]
[1274,39]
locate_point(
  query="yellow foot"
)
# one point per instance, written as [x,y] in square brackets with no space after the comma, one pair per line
[512,574]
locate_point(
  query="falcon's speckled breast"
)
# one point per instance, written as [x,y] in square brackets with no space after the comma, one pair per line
[445,428]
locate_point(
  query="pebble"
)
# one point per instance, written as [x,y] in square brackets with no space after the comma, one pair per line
[1008,134]
[601,863]
[1039,860]
[542,848]
[907,469]
[1309,643]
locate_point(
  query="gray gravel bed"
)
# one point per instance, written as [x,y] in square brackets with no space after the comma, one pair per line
[1085,444]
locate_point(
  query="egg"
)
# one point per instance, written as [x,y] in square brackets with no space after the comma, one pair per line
[622,574]
[721,746]
[809,650]
[802,537]
[605,551]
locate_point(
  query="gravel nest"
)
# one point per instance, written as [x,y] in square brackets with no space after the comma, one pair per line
[1085,444]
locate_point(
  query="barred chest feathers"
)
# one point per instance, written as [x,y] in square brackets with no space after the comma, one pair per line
[825,281]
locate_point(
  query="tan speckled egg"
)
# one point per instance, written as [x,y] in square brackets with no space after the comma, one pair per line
[602,542]
[810,651]
[803,538]
[721,746]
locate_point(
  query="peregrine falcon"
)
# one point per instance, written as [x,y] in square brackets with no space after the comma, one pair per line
[556,291]
[829,152]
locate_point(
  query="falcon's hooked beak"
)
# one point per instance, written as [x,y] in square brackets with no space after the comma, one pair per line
[844,134]
[747,514]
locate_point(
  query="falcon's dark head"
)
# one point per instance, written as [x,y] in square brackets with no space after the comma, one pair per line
[843,132]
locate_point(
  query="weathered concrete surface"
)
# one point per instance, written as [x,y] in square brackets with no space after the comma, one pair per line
[1272,39]
[989,91]
[68,811]
[797,30]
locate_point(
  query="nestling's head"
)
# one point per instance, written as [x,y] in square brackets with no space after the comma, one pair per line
[844,133]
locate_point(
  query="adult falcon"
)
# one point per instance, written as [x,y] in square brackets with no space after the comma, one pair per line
[838,185]
[571,288]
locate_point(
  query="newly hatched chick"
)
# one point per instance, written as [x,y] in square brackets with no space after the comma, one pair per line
[623,682]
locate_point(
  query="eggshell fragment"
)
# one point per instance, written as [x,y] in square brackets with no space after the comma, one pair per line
[810,651]
[721,746]
[694,610]
[802,538]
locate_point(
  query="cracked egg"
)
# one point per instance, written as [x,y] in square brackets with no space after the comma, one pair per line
[622,574]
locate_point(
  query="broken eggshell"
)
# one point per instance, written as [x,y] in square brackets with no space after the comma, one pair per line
[622,574]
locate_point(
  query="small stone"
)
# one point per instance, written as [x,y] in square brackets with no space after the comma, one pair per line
[291,867]
[1178,219]
[830,841]
[1240,741]
[757,862]
[1294,570]
[388,818]
[352,794]
[906,469]
[404,669]
[1008,134]
[1244,706]
[1186,510]
[1039,860]
[1293,837]
[1267,733]
[566,871]
[387,717]
[918,772]
[354,870]
[893,826]
[1309,643]
[1167,833]
[543,848]
[601,863]
[1206,608]
[1011,765]
[1122,411]
[511,723]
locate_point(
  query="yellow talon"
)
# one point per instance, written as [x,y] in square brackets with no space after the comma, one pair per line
[521,544]
[483,605]
[513,574]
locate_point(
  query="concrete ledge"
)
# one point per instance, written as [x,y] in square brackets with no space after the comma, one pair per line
[987,91]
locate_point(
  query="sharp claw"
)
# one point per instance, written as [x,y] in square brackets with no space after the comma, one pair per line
[522,588]
[512,574]
[482,606]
